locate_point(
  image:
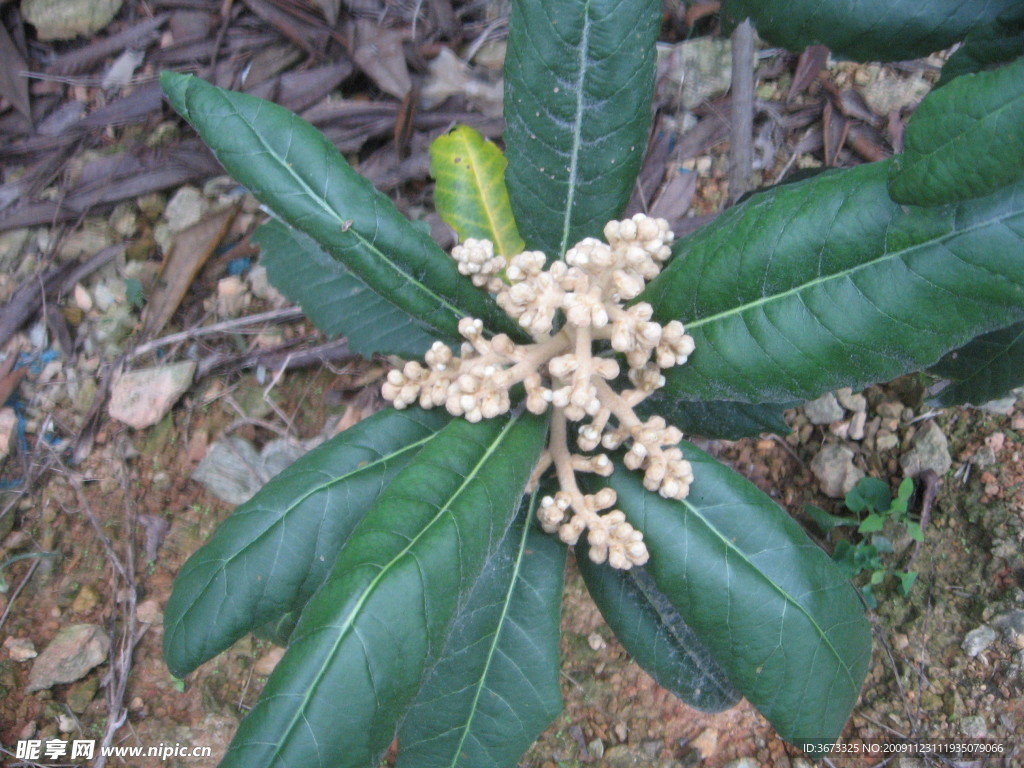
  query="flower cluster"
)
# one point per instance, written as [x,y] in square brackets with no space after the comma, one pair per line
[567,308]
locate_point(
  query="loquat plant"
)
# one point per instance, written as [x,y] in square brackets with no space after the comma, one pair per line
[407,563]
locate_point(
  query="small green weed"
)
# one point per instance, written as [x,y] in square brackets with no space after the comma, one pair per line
[874,506]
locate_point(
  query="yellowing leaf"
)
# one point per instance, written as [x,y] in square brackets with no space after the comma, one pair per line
[470,194]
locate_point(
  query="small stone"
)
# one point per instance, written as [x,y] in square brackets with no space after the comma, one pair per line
[706,743]
[185,209]
[596,642]
[20,649]
[1012,626]
[81,693]
[266,663]
[227,470]
[857,424]
[900,641]
[66,723]
[890,409]
[974,727]
[977,640]
[851,402]
[143,397]
[996,441]
[885,440]
[743,762]
[835,470]
[1002,407]
[69,656]
[86,599]
[8,428]
[824,410]
[909,762]
[984,457]
[232,296]
[623,756]
[596,749]
[840,429]
[82,298]
[801,762]
[261,288]
[930,451]
[148,612]
[621,732]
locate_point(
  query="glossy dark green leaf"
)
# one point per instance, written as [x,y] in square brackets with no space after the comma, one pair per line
[273,552]
[294,170]
[965,140]
[986,46]
[365,639]
[985,369]
[335,300]
[772,608]
[495,687]
[827,283]
[718,419]
[867,30]
[579,75]
[656,636]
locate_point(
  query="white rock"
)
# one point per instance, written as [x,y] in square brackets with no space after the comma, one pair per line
[69,656]
[66,19]
[185,209]
[977,640]
[20,648]
[824,410]
[82,298]
[8,428]
[232,296]
[930,450]
[835,470]
[142,398]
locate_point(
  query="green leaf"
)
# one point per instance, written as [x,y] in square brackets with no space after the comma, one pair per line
[495,687]
[907,580]
[914,531]
[655,635]
[827,522]
[964,141]
[579,75]
[273,551]
[987,46]
[365,639]
[867,30]
[870,494]
[871,523]
[294,170]
[718,419]
[985,369]
[772,608]
[335,300]
[470,194]
[827,283]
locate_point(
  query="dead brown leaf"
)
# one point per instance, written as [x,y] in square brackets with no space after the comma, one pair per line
[330,9]
[12,85]
[191,248]
[378,52]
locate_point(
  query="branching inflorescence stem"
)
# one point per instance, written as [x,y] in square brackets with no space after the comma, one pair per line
[585,293]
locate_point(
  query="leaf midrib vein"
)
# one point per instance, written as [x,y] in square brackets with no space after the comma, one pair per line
[321,203]
[356,610]
[811,284]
